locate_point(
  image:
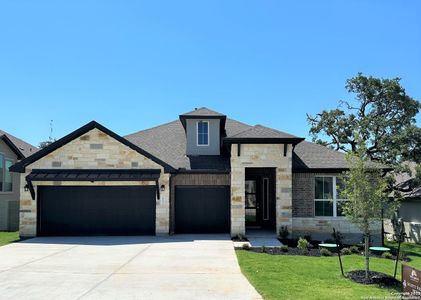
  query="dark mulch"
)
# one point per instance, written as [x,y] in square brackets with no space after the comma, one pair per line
[378,278]
[237,239]
[291,251]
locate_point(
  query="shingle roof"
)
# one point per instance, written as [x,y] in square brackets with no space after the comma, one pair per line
[259,131]
[203,111]
[314,156]
[23,147]
[168,142]
[404,181]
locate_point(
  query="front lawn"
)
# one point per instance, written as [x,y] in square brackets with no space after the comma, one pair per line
[8,237]
[304,277]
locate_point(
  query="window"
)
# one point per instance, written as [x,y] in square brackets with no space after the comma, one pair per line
[203,133]
[6,179]
[328,196]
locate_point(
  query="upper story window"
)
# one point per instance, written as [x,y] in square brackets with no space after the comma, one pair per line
[328,196]
[6,179]
[202,133]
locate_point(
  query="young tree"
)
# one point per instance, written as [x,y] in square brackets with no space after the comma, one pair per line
[366,191]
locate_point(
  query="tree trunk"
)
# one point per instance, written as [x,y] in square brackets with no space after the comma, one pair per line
[366,252]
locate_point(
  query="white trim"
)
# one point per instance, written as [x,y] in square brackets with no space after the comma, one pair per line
[197,134]
[334,198]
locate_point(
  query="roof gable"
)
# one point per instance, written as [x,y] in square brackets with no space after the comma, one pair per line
[20,167]
[21,148]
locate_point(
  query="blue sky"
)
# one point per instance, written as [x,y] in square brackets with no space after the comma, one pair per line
[131,65]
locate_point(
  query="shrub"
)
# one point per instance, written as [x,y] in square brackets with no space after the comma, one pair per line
[246,246]
[303,245]
[354,249]
[325,252]
[264,249]
[283,232]
[346,251]
[387,255]
[284,248]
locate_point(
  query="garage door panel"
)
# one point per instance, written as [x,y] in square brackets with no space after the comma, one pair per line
[202,209]
[76,210]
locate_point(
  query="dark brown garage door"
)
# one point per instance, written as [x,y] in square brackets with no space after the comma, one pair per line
[202,209]
[105,210]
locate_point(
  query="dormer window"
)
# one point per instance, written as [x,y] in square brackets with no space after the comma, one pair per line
[203,133]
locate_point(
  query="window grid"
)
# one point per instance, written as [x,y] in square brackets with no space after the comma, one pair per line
[202,133]
[334,199]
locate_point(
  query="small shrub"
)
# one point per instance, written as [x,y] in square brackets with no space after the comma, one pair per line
[346,251]
[283,232]
[264,249]
[387,255]
[325,252]
[246,246]
[355,249]
[284,248]
[303,245]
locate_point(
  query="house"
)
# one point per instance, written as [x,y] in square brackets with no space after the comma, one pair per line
[409,209]
[12,150]
[202,173]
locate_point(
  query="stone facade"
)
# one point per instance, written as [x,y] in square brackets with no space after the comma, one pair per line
[261,156]
[92,150]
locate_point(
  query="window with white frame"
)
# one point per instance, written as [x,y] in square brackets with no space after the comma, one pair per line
[329,196]
[202,133]
[6,179]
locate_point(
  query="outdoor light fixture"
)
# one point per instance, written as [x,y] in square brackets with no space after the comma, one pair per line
[162,188]
[26,187]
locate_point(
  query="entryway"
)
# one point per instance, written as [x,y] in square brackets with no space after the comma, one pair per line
[260,190]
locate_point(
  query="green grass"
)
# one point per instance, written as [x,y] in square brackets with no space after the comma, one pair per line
[8,237]
[304,277]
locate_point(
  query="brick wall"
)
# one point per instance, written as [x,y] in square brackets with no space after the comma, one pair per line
[302,195]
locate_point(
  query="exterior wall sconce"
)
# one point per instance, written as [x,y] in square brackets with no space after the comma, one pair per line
[162,188]
[26,188]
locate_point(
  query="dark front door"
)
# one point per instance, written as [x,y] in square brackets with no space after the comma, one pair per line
[202,209]
[102,210]
[260,208]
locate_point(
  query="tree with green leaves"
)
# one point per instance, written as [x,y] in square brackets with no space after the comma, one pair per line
[367,192]
[382,114]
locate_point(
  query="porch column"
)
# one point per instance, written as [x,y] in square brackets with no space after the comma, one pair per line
[284,193]
[237,195]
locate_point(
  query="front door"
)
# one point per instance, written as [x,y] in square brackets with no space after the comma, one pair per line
[260,198]
[252,202]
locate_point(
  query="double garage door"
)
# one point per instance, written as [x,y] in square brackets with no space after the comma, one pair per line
[101,210]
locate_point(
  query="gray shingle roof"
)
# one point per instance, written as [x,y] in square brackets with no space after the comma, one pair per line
[168,142]
[203,111]
[24,148]
[259,131]
[404,181]
[314,156]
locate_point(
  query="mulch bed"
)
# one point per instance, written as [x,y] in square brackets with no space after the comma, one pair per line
[378,278]
[291,251]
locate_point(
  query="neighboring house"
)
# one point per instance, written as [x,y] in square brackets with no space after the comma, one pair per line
[12,150]
[203,173]
[409,211]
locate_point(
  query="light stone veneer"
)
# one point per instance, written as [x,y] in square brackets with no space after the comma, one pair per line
[261,156]
[93,150]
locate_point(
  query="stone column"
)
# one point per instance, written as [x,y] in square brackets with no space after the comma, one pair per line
[238,225]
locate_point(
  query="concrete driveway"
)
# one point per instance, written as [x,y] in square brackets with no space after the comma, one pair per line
[178,267]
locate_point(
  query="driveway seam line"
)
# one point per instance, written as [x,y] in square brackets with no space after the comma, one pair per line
[39,259]
[113,272]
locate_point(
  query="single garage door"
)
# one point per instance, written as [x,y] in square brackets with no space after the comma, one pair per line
[104,210]
[202,209]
